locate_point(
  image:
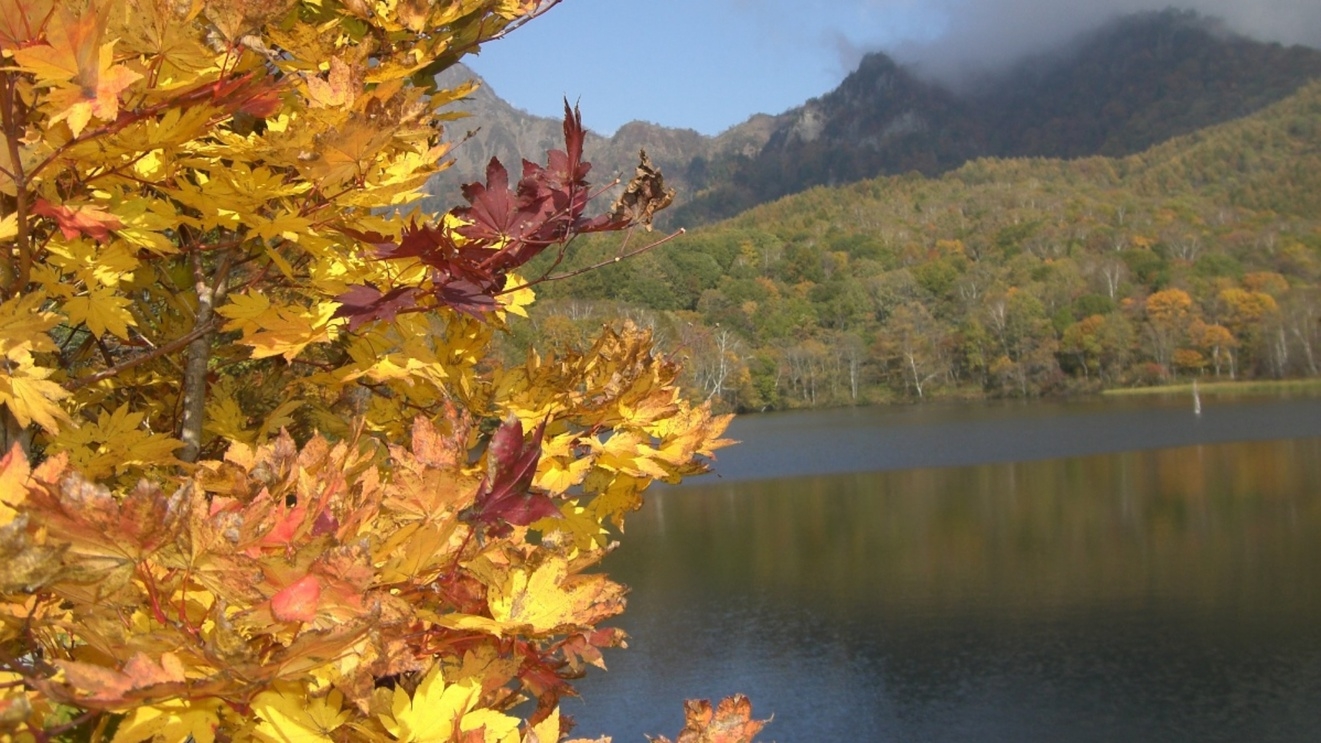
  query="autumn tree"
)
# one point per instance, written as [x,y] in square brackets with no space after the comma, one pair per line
[914,344]
[1218,344]
[1027,342]
[1083,341]
[261,479]
[1169,314]
[1249,315]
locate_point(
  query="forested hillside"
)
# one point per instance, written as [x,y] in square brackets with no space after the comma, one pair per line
[1200,257]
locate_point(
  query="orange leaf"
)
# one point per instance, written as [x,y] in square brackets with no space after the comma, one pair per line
[143,671]
[87,220]
[298,601]
[109,686]
[84,79]
[286,528]
[21,21]
[104,684]
[14,473]
[731,722]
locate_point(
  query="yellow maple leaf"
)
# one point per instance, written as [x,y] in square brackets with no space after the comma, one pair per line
[582,525]
[336,91]
[103,310]
[619,495]
[29,155]
[434,711]
[177,719]
[346,153]
[14,472]
[288,715]
[546,599]
[546,731]
[496,727]
[560,467]
[114,443]
[23,326]
[30,396]
[245,311]
[518,299]
[283,330]
[81,72]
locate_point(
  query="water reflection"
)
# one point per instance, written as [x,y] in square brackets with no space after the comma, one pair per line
[1160,595]
[941,435]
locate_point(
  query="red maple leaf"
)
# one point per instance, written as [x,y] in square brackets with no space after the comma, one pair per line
[364,303]
[473,298]
[381,243]
[502,229]
[505,495]
[433,245]
[253,95]
[500,215]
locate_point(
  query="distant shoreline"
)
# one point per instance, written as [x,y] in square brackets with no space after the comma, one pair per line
[1224,388]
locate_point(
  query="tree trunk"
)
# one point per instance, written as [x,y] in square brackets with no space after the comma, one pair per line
[210,292]
[12,433]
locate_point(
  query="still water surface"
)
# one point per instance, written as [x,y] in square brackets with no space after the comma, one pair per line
[985,573]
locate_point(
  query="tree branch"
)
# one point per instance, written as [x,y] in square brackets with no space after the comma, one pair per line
[158,351]
[601,264]
[17,270]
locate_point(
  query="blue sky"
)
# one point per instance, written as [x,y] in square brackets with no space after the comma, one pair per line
[710,64]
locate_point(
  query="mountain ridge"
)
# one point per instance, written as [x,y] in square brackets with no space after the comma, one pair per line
[1119,89]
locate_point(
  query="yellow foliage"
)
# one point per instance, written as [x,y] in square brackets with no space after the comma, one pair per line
[435,712]
[287,714]
[212,338]
[176,719]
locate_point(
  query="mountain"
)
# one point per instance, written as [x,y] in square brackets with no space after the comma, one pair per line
[1138,81]
[494,128]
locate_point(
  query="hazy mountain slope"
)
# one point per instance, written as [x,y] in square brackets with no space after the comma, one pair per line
[1118,90]
[1135,83]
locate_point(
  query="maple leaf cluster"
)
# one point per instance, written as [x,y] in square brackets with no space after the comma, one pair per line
[210,524]
[285,592]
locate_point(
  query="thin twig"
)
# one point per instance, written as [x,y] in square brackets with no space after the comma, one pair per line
[601,264]
[175,345]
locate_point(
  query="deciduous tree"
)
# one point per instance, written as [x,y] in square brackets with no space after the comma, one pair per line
[260,478]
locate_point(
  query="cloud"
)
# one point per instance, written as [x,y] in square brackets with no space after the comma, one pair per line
[986,34]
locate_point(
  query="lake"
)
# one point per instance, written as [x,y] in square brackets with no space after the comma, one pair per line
[1114,570]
